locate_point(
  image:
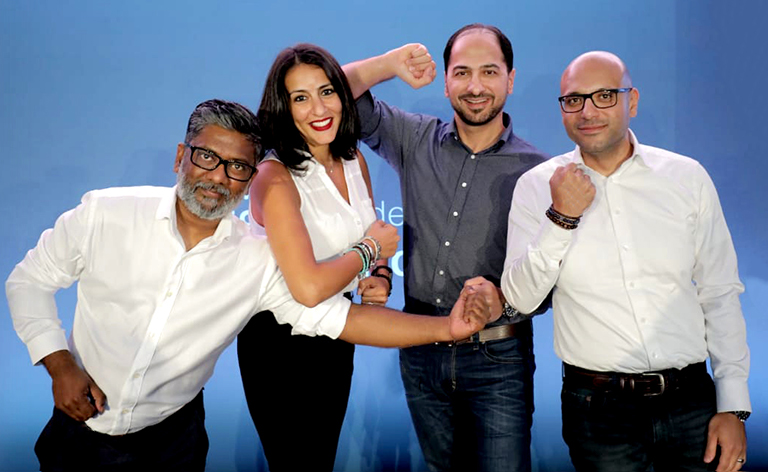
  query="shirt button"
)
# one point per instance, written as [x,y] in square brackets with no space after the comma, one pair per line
[442,272]
[643,320]
[437,301]
[618,212]
[472,156]
[126,411]
[136,375]
[447,243]
[625,247]
[455,213]
[463,184]
[169,294]
[631,285]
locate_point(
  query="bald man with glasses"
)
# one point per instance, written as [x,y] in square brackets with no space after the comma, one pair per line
[632,241]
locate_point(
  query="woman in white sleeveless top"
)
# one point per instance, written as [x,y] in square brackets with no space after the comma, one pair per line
[312,198]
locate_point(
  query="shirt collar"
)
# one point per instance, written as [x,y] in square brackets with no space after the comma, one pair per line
[638,155]
[506,136]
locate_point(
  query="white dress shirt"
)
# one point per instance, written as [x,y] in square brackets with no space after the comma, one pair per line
[151,318]
[648,281]
[333,224]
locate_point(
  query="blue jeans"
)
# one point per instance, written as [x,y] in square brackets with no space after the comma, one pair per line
[625,432]
[472,404]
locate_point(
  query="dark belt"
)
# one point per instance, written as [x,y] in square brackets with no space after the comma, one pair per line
[644,384]
[493,334]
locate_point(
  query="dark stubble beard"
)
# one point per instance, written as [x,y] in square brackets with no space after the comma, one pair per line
[212,209]
[471,120]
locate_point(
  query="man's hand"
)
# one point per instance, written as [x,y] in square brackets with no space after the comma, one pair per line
[491,294]
[469,315]
[727,431]
[572,190]
[413,64]
[74,391]
[373,291]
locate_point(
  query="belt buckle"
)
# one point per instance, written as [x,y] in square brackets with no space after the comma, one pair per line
[662,383]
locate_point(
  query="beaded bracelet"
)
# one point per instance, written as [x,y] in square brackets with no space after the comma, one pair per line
[382,267]
[563,221]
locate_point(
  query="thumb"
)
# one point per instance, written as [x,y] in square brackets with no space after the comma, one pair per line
[98,396]
[711,450]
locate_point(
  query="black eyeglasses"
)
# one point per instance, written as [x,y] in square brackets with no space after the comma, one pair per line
[603,98]
[209,160]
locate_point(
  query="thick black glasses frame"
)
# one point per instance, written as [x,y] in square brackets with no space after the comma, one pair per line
[586,96]
[226,162]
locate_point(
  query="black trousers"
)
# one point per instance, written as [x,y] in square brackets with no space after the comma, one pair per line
[297,389]
[179,442]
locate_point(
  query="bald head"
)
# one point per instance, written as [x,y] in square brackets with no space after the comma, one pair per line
[596,64]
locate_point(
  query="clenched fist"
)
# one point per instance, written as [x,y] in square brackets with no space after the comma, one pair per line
[572,190]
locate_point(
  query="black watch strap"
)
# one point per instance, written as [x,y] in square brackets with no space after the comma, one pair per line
[741,415]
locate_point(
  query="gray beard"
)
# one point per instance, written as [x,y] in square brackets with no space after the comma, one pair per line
[213,209]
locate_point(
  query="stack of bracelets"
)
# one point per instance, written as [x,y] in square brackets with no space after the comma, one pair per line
[565,222]
[369,250]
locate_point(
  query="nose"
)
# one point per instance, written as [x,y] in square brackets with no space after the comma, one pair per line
[589,109]
[475,86]
[318,107]
[218,175]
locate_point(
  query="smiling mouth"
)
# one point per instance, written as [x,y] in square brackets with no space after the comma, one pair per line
[322,125]
[476,104]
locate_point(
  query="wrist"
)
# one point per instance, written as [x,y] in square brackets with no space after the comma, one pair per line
[59,362]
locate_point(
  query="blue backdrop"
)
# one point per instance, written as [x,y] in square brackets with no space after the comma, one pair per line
[96,95]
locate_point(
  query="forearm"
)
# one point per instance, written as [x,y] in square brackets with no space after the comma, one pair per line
[382,327]
[33,311]
[321,280]
[364,74]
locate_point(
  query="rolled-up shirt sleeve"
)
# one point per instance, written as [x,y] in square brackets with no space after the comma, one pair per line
[327,318]
[55,263]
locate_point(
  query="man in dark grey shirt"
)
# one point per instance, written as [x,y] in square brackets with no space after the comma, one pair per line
[472,401]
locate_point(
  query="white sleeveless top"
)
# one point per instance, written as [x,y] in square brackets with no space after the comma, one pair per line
[333,224]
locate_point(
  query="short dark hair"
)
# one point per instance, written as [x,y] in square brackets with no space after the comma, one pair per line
[279,130]
[504,44]
[229,115]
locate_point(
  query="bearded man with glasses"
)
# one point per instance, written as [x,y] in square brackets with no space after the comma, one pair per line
[632,242]
[167,278]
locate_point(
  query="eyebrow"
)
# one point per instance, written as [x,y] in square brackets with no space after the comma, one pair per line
[484,66]
[305,91]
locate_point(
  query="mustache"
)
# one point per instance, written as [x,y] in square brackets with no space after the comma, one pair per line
[218,188]
[472,96]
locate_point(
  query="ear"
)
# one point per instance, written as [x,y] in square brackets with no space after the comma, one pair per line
[511,81]
[634,97]
[180,150]
[445,90]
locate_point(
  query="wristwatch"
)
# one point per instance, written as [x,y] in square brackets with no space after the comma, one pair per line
[508,311]
[741,415]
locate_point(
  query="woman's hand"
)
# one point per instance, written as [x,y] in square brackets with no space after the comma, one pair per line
[387,237]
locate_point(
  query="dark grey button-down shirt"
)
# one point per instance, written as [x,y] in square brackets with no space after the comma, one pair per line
[455,202]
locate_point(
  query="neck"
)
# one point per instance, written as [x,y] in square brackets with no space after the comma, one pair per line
[192,228]
[478,138]
[608,161]
[322,154]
